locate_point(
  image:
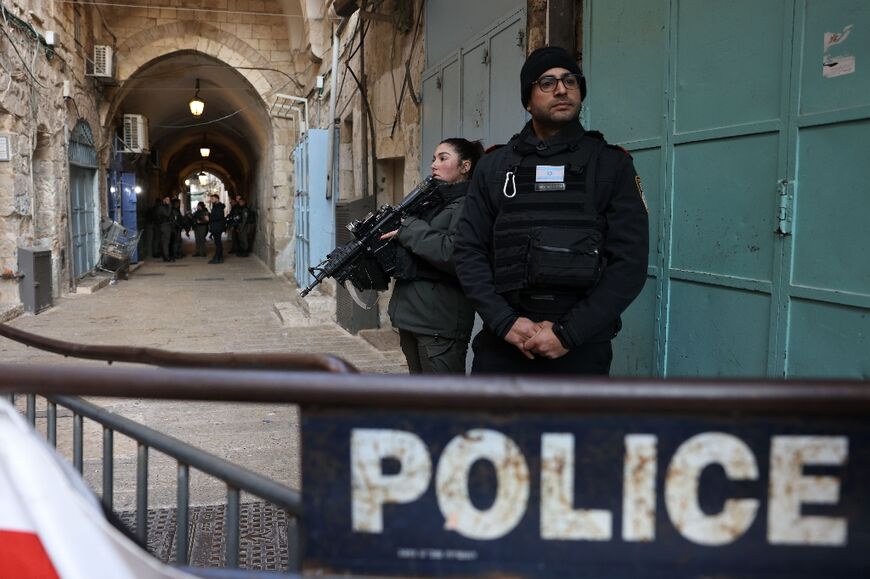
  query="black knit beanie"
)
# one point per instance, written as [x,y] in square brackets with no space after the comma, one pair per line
[542,60]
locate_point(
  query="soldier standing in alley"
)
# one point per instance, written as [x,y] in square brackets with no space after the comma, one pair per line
[247,222]
[178,224]
[232,223]
[164,228]
[216,221]
[200,228]
[156,246]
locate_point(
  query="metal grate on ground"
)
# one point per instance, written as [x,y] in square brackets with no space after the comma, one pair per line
[262,544]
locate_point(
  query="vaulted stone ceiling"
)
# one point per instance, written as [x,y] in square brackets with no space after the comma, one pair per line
[236,121]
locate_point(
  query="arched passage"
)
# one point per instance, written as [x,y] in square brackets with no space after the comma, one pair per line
[235,125]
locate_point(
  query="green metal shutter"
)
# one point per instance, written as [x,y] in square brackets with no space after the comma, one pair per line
[751,151]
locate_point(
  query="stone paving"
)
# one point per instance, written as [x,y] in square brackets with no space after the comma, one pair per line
[193,306]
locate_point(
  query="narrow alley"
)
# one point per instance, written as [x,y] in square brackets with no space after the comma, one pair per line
[193,306]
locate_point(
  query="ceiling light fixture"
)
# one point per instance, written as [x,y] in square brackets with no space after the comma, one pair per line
[196,104]
[204,150]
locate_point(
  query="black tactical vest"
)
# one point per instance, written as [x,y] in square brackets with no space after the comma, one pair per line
[548,235]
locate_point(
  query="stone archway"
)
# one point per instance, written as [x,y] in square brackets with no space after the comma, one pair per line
[269,182]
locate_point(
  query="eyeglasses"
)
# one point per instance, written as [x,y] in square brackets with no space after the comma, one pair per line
[570,81]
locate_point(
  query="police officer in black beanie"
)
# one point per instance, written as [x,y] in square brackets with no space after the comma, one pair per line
[552,244]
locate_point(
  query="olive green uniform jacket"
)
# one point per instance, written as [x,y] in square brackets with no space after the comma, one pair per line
[433,303]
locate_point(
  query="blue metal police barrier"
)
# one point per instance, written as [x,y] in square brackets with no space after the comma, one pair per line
[534,478]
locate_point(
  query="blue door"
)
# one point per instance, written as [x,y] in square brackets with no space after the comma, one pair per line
[313,211]
[83,216]
[83,199]
[128,209]
[748,122]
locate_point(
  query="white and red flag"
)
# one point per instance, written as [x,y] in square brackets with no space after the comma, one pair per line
[51,525]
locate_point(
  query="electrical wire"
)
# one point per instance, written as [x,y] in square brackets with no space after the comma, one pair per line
[203,124]
[15,48]
[407,79]
[27,26]
[347,60]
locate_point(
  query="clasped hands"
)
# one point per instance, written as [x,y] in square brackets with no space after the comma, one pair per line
[533,338]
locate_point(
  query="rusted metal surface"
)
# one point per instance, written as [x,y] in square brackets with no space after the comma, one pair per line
[165,358]
[586,493]
[495,393]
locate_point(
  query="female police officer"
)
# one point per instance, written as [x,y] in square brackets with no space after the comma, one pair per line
[428,307]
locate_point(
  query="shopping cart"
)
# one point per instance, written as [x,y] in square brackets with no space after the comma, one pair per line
[116,246]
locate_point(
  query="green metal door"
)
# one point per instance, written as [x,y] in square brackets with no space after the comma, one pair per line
[826,326]
[629,45]
[749,136]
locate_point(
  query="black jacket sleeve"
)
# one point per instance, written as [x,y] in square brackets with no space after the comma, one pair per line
[626,250]
[473,248]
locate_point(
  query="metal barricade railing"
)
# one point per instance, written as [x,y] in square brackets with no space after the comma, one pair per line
[359,397]
[237,479]
[644,445]
[166,358]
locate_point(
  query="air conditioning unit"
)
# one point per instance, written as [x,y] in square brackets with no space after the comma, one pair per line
[103,64]
[135,133]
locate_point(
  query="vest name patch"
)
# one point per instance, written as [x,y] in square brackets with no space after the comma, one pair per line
[549,186]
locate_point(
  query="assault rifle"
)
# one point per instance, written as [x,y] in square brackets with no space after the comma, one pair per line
[367,260]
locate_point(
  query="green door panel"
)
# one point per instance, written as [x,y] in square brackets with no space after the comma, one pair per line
[475,97]
[505,108]
[634,348]
[729,55]
[450,87]
[827,295]
[629,42]
[828,340]
[832,209]
[648,164]
[723,215]
[431,113]
[708,337]
[836,78]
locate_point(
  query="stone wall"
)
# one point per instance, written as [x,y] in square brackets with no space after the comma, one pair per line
[37,119]
[265,40]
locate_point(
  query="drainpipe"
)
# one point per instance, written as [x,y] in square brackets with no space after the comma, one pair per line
[303,126]
[332,148]
[70,264]
[301,120]
[332,144]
